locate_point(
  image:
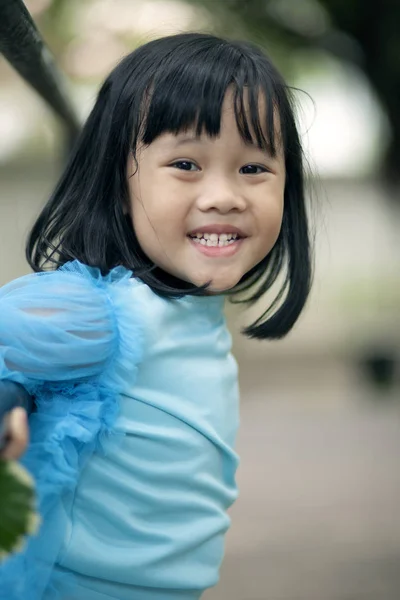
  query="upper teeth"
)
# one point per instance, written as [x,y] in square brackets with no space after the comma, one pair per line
[214,239]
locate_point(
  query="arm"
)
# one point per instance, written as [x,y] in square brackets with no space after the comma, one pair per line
[55,326]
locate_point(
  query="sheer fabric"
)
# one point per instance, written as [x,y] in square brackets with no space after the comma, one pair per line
[61,338]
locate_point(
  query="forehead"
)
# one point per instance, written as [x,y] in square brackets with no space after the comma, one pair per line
[252,110]
[249,111]
[228,129]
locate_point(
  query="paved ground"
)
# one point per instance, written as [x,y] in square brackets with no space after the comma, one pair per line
[319,512]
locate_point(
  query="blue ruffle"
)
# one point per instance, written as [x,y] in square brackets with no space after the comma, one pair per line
[74,418]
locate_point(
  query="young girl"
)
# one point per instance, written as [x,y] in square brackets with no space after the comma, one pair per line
[186,185]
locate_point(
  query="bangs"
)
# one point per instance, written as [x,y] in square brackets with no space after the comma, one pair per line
[188,94]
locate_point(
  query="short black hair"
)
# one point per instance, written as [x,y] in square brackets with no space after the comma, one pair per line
[170,85]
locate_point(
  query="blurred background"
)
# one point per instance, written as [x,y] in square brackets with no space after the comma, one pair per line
[318,516]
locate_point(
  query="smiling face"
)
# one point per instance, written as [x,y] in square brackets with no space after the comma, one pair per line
[207,209]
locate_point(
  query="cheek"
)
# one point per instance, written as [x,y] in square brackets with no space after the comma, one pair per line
[155,221]
[151,199]
[142,205]
[270,220]
[140,213]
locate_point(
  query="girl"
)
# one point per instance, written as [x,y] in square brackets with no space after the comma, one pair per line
[186,185]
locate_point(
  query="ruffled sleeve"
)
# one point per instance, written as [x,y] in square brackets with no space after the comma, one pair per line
[58,325]
[72,338]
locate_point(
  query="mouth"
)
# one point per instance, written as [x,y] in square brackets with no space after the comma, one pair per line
[214,235]
[216,245]
[214,240]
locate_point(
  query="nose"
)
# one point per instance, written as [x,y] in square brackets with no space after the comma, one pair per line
[222,196]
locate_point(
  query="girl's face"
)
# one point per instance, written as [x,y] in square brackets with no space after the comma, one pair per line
[207,210]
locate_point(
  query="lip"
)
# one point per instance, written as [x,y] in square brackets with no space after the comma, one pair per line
[219,229]
[218,251]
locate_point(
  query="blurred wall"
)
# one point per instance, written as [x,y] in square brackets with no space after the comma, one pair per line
[356,296]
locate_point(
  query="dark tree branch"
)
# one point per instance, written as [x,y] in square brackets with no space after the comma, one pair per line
[22,45]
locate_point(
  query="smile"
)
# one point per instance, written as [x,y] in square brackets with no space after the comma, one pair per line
[214,239]
[217,245]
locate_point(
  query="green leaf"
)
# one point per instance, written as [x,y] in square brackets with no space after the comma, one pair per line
[17,507]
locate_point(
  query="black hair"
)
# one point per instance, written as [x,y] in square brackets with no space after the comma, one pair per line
[171,84]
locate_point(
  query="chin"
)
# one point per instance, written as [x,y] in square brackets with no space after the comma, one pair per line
[219,287]
[217,284]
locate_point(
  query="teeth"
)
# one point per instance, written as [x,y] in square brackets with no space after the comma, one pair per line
[213,239]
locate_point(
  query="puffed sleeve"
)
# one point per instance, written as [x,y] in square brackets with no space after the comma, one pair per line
[72,338]
[57,326]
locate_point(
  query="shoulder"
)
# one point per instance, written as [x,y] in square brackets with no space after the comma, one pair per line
[75,269]
[68,315]
[74,294]
[72,280]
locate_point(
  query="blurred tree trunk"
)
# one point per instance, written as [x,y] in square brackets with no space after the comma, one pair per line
[362,32]
[376,28]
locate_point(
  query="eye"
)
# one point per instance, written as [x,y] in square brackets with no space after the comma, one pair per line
[185,165]
[253,170]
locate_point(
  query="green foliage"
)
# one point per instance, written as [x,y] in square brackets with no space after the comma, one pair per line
[17,507]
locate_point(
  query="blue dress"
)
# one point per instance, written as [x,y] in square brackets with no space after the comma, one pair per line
[132,440]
